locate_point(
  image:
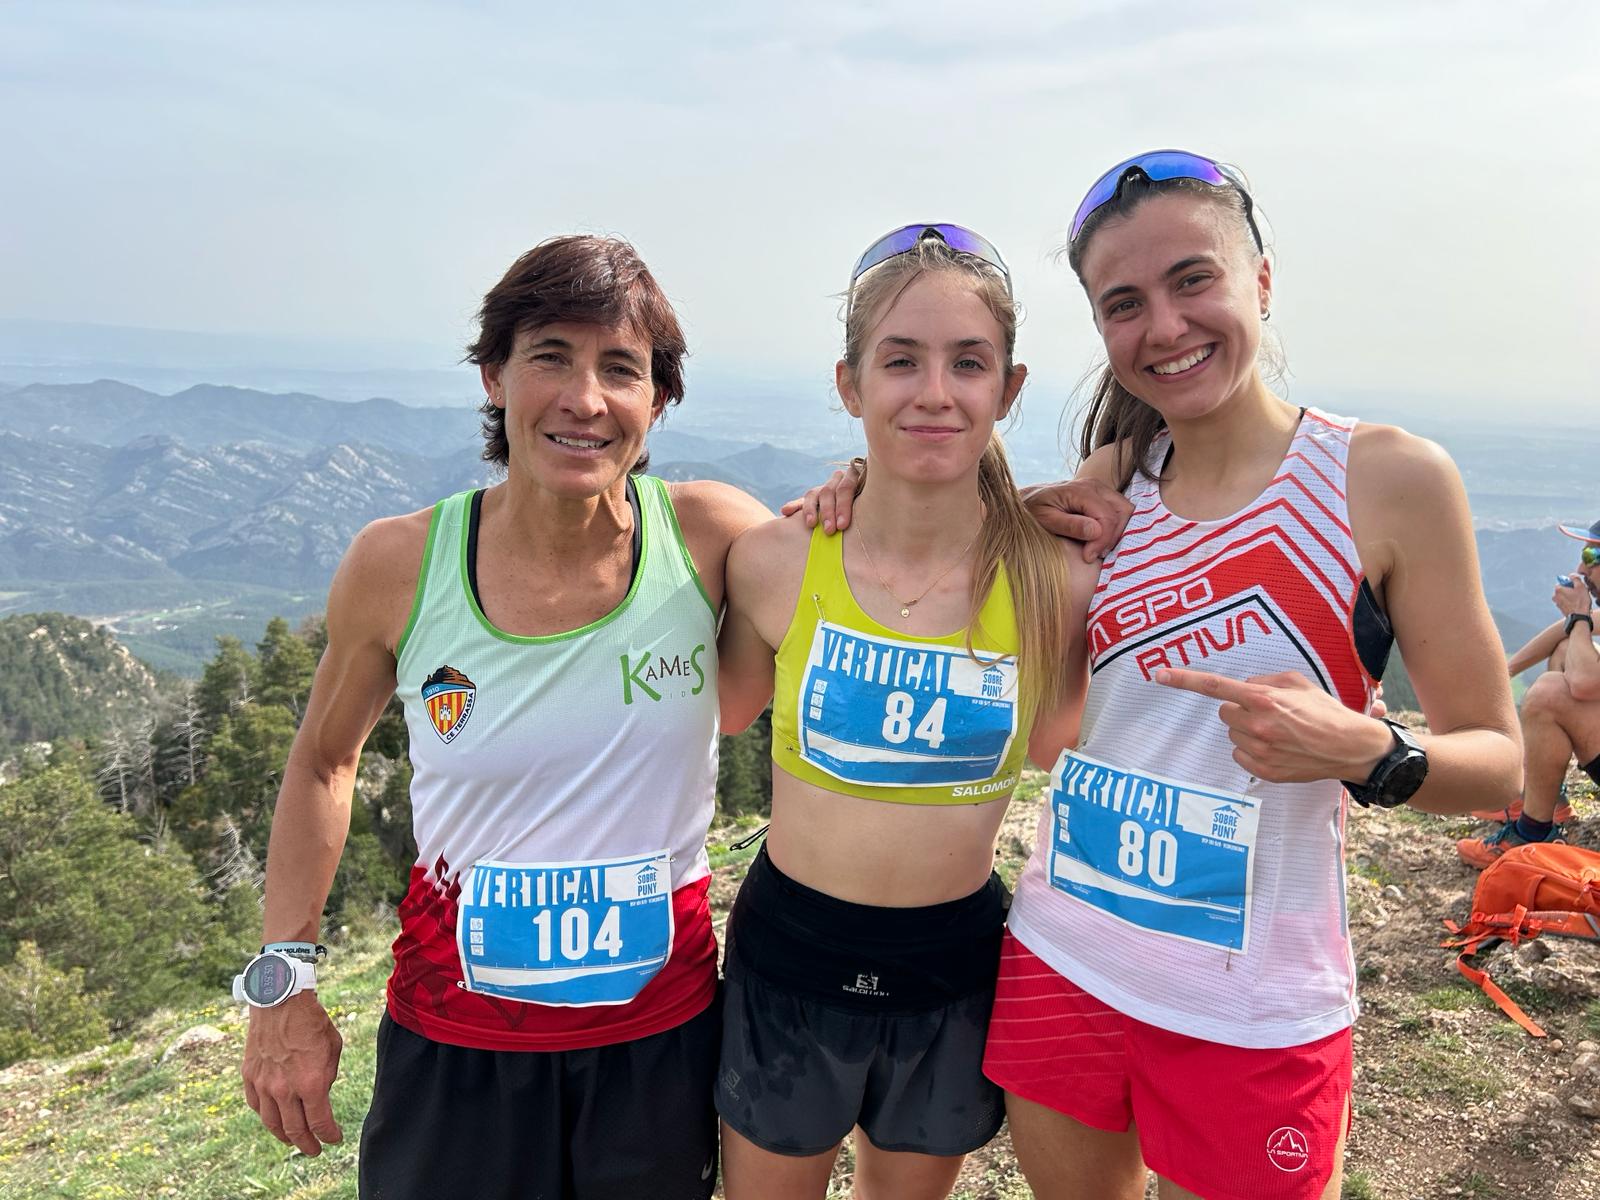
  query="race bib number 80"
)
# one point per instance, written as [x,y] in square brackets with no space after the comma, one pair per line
[1166,856]
[888,713]
[572,934]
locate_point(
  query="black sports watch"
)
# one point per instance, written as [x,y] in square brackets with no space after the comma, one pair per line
[1398,774]
[1572,622]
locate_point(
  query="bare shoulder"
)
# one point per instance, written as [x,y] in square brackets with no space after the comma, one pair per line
[1406,500]
[712,515]
[1387,453]
[709,509]
[767,563]
[774,543]
[375,584]
[1102,464]
[388,550]
[1398,476]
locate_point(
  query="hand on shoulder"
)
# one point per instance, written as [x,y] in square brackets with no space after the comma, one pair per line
[1089,508]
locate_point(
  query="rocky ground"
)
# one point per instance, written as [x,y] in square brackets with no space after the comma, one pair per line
[1451,1098]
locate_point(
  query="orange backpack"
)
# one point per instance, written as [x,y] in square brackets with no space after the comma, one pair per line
[1542,887]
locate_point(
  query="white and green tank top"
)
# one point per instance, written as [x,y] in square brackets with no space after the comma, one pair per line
[595,744]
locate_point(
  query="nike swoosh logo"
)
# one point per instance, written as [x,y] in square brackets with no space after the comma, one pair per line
[709,1167]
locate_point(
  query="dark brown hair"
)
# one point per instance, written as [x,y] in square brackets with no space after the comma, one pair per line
[1114,415]
[586,280]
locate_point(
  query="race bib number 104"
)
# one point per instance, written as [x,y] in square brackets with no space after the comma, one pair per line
[572,934]
[1166,856]
[888,713]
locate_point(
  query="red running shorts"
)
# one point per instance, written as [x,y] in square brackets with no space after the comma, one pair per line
[1225,1122]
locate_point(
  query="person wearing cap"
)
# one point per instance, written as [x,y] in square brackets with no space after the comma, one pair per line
[1560,713]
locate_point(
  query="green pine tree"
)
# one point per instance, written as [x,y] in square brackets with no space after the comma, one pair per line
[244,767]
[229,681]
[286,665]
[76,881]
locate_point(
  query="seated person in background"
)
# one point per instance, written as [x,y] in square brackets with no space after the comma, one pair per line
[1560,714]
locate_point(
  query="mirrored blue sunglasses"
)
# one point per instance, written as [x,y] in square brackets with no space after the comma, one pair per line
[906,238]
[1154,167]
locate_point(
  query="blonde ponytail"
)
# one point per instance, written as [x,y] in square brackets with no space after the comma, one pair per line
[1037,567]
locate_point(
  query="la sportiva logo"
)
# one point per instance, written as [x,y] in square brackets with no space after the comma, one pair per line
[448,695]
[655,676]
[1287,1149]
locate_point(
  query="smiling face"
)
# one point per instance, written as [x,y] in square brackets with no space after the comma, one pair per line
[931,381]
[1178,292]
[578,401]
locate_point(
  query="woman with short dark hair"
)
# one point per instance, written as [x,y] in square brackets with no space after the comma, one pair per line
[551,1027]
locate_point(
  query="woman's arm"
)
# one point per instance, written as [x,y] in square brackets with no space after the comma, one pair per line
[1087,508]
[765,567]
[1409,515]
[292,1051]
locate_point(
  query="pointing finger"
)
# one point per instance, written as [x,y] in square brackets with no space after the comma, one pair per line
[1206,683]
[1291,679]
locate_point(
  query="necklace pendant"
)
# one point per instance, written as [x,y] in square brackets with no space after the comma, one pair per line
[905,610]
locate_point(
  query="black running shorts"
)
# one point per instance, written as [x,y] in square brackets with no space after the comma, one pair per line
[839,1014]
[619,1122]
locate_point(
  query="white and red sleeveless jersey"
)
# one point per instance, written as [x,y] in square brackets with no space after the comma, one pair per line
[546,770]
[1166,881]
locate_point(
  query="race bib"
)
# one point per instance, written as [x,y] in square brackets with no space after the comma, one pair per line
[888,713]
[1165,856]
[572,934]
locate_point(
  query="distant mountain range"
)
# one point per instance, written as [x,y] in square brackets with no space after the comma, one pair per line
[223,505]
[205,511]
[109,413]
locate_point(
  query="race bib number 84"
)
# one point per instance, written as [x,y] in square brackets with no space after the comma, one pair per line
[888,713]
[1166,856]
[572,934]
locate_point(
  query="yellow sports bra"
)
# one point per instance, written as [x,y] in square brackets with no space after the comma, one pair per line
[863,710]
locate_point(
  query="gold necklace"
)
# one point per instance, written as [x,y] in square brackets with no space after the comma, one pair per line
[906,605]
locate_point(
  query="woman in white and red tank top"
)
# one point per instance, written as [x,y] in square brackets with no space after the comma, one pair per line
[1177,986]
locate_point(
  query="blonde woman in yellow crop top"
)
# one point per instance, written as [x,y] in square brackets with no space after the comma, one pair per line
[907,661]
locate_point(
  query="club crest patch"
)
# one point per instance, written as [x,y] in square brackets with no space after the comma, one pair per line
[448,696]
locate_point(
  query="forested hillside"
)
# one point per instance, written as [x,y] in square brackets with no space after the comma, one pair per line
[60,677]
[134,816]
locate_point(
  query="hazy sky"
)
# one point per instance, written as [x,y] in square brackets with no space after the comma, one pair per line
[1431,171]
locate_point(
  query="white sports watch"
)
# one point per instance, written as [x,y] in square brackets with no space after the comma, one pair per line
[281,970]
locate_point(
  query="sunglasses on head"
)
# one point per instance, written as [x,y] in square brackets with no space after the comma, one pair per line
[906,239]
[1153,167]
